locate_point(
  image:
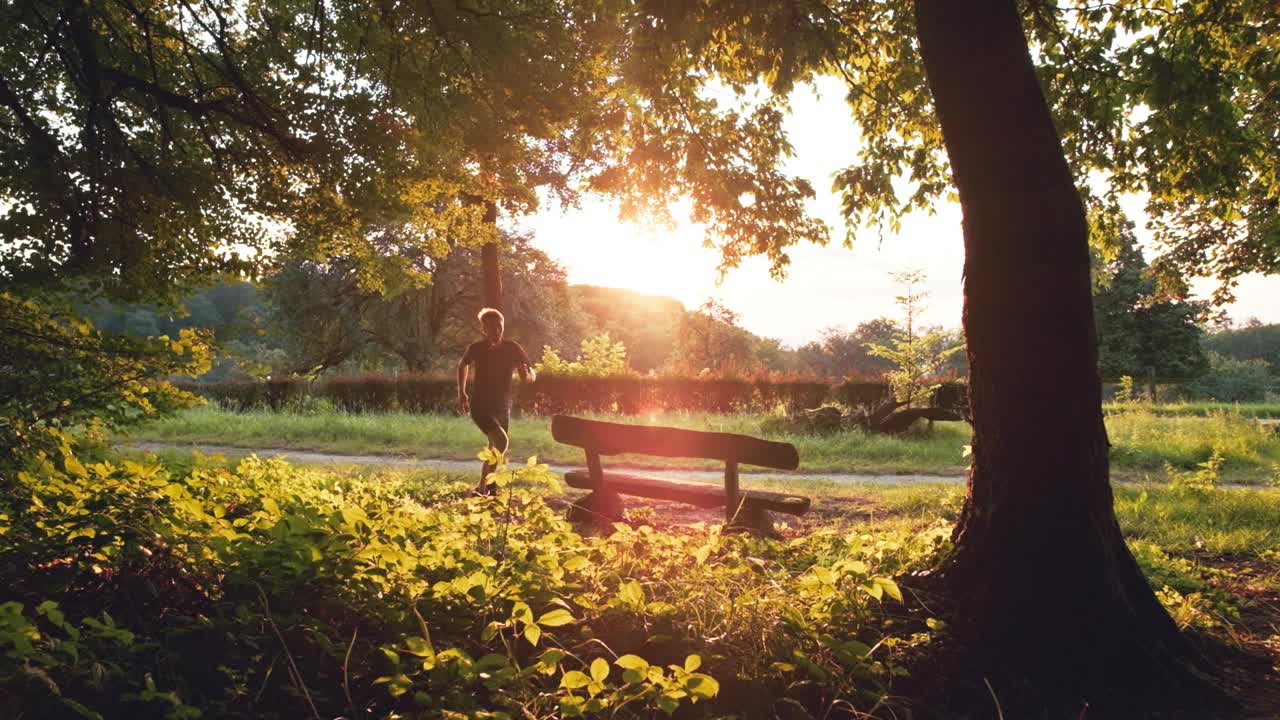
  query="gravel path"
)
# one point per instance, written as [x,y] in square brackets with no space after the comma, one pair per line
[448,465]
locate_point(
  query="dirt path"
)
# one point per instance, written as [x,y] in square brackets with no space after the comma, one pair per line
[448,465]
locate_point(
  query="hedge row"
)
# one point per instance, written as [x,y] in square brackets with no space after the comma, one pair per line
[557,394]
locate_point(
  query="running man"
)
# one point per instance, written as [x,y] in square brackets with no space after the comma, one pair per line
[494,359]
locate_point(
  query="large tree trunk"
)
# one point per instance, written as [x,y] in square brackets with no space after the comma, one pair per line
[1046,590]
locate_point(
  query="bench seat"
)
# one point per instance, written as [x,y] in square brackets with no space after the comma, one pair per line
[697,494]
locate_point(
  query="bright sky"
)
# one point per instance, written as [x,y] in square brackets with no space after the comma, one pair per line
[826,286]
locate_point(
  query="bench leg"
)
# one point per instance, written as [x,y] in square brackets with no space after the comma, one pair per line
[753,519]
[601,507]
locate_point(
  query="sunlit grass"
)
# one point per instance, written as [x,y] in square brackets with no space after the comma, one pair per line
[1143,440]
[457,438]
[1202,408]
[1232,521]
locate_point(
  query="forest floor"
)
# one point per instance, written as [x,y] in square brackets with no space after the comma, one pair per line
[1212,554]
[835,619]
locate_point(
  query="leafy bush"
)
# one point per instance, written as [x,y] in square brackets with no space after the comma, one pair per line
[1230,380]
[563,393]
[269,590]
[58,372]
[600,357]
[1204,479]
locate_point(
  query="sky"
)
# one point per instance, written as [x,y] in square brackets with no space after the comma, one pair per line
[825,287]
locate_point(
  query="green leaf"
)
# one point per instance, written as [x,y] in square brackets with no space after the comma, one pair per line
[824,574]
[532,633]
[660,608]
[549,660]
[693,662]
[631,594]
[520,611]
[890,588]
[556,618]
[701,686]
[574,679]
[632,662]
[702,553]
[599,669]
[419,647]
[576,563]
[572,706]
[74,466]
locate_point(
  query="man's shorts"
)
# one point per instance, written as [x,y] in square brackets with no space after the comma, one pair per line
[490,418]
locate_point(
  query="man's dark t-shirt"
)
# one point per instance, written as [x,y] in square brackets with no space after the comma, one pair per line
[494,365]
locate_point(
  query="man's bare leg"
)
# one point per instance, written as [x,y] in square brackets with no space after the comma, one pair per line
[498,440]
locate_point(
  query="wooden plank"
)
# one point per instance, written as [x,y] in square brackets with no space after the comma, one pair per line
[595,469]
[701,495]
[608,438]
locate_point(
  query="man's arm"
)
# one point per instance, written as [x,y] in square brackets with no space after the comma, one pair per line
[524,366]
[463,366]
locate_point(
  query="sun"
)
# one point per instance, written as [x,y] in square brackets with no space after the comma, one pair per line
[597,248]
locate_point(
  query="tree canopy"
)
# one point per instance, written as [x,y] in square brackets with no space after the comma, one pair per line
[146,145]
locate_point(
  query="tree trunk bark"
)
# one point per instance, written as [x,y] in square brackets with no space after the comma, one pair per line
[1046,591]
[489,263]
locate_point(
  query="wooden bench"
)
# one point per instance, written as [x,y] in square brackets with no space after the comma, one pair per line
[748,509]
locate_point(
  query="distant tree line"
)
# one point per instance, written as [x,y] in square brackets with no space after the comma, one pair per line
[310,317]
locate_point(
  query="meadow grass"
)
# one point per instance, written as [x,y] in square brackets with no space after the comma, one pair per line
[1143,440]
[1228,522]
[1202,408]
[452,437]
[1236,522]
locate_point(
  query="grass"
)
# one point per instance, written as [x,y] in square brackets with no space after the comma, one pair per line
[1237,523]
[457,438]
[1203,408]
[1143,440]
[1229,522]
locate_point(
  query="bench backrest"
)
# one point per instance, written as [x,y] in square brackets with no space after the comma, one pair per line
[607,438]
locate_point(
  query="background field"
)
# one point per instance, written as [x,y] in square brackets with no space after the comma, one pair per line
[1143,439]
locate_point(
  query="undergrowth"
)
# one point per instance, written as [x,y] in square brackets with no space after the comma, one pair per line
[268,590]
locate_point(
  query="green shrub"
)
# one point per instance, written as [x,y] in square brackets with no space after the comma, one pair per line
[560,393]
[600,357]
[1230,380]
[268,590]
[58,372]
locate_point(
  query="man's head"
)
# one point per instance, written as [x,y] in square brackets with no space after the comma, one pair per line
[492,322]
